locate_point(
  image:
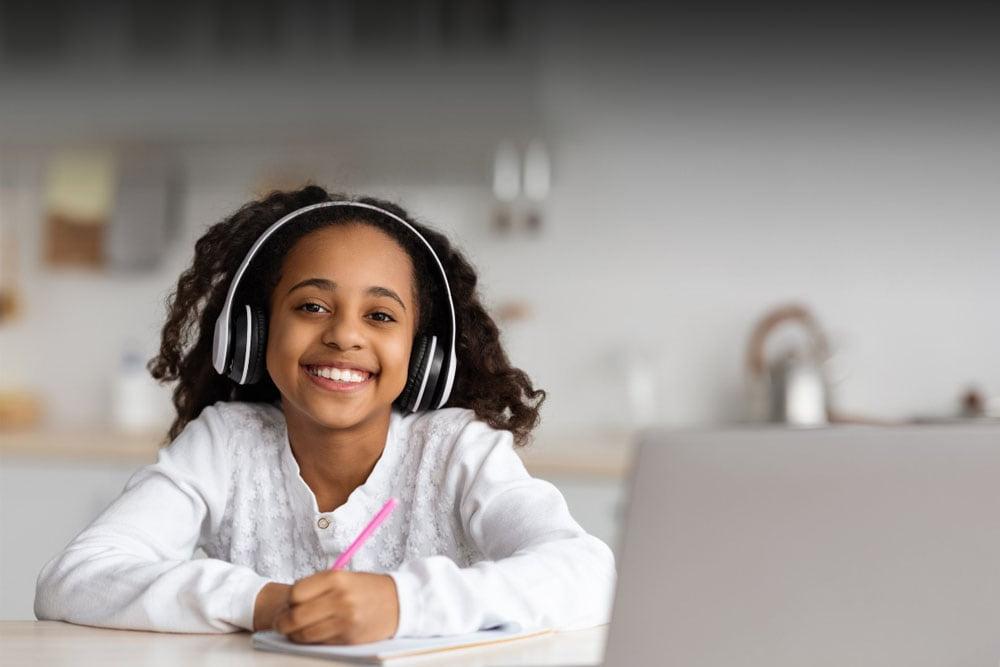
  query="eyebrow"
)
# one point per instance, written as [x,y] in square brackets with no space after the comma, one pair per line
[331,286]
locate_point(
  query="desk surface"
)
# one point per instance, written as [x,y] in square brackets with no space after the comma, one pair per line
[57,643]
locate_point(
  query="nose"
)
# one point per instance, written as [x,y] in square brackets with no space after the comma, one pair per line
[343,332]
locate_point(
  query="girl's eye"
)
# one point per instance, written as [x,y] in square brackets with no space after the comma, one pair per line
[383,317]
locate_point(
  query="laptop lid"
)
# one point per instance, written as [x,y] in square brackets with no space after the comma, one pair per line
[838,546]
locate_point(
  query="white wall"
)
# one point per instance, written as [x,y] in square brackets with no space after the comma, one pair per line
[678,230]
[712,168]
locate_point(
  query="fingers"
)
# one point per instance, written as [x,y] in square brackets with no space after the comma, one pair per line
[337,627]
[339,608]
[314,585]
[327,631]
[298,616]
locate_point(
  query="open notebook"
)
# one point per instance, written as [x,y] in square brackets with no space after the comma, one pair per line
[404,647]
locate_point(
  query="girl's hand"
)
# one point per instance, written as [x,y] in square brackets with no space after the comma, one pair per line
[272,599]
[337,607]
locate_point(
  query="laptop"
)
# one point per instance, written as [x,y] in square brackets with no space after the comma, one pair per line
[848,545]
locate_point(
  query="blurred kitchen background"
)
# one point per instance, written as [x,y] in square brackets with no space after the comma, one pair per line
[689,219]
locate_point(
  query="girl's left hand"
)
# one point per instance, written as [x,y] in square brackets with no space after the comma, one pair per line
[338,607]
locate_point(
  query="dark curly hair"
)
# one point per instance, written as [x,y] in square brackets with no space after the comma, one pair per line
[485,382]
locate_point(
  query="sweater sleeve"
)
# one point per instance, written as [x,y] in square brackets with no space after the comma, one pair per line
[542,570]
[133,567]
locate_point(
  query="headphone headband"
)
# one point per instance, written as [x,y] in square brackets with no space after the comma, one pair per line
[221,338]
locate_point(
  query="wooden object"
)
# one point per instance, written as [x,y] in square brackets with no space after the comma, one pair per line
[79,195]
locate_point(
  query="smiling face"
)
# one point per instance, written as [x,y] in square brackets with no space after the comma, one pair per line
[346,299]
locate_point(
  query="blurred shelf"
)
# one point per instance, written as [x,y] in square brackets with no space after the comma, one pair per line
[605,455]
[98,446]
[602,455]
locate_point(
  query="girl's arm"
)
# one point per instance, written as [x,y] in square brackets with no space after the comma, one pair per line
[133,567]
[543,569]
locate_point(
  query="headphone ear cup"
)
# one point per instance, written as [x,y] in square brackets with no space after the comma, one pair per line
[258,345]
[249,332]
[435,383]
[414,377]
[238,344]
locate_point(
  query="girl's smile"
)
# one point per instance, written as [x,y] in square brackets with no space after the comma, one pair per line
[335,379]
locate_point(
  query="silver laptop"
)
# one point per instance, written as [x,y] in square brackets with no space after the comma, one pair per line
[838,546]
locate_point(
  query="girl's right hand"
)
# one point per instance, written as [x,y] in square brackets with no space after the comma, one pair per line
[271,600]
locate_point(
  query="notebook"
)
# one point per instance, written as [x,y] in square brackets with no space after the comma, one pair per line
[389,649]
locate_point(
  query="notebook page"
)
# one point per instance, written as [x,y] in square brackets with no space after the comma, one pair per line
[376,652]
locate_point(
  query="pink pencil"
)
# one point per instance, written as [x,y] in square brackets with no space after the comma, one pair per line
[382,515]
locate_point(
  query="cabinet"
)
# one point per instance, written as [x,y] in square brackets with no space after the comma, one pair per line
[43,505]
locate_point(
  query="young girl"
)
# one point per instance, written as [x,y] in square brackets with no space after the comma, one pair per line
[324,365]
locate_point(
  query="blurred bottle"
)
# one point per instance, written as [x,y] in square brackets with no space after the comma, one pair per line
[641,387]
[136,398]
[799,390]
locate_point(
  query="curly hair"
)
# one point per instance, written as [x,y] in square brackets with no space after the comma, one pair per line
[485,382]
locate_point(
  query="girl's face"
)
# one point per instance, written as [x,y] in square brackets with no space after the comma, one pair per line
[345,299]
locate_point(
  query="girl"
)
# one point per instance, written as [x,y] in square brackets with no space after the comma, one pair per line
[352,362]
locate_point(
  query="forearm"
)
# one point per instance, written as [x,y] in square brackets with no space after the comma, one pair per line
[562,584]
[133,567]
[102,584]
[540,568]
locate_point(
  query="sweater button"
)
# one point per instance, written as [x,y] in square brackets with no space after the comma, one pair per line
[323,522]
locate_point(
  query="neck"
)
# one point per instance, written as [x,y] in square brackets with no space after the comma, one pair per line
[334,462]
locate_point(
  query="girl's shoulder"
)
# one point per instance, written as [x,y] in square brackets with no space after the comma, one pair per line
[233,419]
[246,414]
[455,430]
[222,434]
[439,425]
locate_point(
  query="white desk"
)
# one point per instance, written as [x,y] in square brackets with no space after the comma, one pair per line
[57,643]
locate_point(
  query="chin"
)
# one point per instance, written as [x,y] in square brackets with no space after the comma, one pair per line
[337,416]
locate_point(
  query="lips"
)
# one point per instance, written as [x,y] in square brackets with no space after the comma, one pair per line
[340,386]
[341,365]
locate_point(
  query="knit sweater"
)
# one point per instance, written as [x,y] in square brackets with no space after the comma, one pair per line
[475,541]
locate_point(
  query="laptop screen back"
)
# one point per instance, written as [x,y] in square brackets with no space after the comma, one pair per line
[836,546]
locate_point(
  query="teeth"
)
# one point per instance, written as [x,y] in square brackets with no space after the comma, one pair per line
[339,375]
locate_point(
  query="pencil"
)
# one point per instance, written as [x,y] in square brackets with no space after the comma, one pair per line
[382,515]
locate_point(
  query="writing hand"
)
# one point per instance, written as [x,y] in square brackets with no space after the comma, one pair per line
[338,607]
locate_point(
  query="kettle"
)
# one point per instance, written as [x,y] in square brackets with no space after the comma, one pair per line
[793,387]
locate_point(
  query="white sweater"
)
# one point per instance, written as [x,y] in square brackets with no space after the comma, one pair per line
[475,540]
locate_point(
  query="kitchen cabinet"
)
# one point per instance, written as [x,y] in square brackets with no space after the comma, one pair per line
[43,505]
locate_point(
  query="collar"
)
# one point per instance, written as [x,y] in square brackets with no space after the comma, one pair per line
[365,500]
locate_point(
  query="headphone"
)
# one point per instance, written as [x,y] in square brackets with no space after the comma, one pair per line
[240,342]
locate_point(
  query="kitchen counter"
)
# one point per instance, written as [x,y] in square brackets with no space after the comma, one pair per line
[605,454]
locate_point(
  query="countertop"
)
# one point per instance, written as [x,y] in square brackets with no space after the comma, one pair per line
[604,455]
